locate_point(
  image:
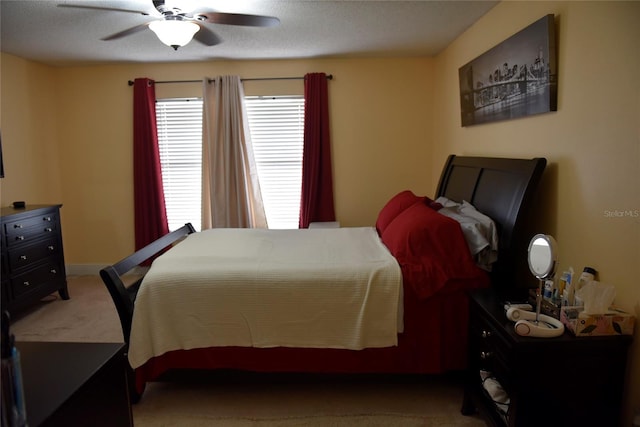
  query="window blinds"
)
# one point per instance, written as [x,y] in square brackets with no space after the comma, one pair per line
[276,126]
[179,123]
[277,129]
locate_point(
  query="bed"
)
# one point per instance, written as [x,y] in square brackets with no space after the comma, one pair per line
[416,312]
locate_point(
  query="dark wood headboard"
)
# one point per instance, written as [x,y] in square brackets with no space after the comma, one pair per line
[503,189]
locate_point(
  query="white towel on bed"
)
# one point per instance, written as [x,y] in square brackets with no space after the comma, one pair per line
[327,288]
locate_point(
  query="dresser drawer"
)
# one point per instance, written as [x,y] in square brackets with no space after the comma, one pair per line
[30,280]
[24,256]
[29,229]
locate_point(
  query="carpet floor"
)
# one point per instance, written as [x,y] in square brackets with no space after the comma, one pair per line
[246,400]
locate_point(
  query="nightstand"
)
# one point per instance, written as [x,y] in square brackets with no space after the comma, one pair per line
[559,381]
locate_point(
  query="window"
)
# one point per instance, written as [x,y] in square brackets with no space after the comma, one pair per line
[276,125]
[277,128]
[179,123]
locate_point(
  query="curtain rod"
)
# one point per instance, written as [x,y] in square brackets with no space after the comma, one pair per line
[329,77]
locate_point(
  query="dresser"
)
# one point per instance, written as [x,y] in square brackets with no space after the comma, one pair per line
[562,381]
[32,255]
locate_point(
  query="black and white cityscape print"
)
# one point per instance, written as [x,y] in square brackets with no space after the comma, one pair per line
[516,78]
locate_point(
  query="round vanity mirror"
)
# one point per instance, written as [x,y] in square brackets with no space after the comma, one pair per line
[543,256]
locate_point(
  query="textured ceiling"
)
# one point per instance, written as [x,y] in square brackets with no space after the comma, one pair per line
[41,31]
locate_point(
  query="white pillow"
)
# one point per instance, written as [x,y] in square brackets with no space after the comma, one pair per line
[479,230]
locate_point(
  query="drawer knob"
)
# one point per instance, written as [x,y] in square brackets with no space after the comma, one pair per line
[47,218]
[53,271]
[17,225]
[19,237]
[26,283]
[48,229]
[486,334]
[23,257]
[484,355]
[50,247]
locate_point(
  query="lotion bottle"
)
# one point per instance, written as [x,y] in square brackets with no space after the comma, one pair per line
[568,293]
[13,407]
[588,275]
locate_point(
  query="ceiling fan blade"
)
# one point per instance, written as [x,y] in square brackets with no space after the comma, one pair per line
[237,19]
[206,36]
[125,33]
[112,9]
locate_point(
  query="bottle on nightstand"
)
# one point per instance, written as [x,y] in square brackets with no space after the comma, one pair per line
[13,408]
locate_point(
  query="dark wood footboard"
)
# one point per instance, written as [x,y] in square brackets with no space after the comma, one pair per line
[124,295]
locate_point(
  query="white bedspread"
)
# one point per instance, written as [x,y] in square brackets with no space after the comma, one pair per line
[325,288]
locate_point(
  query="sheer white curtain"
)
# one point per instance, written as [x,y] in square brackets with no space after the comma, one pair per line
[231,195]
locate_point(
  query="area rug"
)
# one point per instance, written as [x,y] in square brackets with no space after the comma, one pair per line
[310,402]
[88,316]
[352,420]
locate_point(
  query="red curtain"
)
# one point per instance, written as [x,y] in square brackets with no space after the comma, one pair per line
[149,206]
[316,201]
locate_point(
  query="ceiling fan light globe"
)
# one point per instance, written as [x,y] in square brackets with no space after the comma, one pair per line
[174,33]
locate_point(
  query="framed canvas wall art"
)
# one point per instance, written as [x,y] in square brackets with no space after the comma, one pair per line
[516,78]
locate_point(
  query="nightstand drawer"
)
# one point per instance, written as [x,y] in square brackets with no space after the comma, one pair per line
[490,349]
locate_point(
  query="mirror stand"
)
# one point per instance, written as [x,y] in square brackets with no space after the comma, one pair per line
[542,263]
[539,299]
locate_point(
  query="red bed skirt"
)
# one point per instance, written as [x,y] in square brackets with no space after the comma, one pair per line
[434,341]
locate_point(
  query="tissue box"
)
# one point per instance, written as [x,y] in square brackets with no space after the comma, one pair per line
[614,322]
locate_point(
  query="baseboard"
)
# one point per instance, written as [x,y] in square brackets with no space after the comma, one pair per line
[94,269]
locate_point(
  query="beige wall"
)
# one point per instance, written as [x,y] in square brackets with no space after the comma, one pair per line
[380,128]
[67,137]
[30,147]
[592,142]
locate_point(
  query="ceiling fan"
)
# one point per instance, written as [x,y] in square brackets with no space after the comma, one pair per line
[176,28]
